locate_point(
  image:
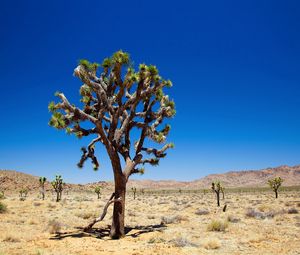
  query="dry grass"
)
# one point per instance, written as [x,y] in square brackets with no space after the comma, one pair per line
[217,225]
[269,227]
[212,244]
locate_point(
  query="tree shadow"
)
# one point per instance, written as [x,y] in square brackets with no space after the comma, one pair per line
[103,233]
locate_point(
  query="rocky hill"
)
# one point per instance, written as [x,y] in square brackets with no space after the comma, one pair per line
[10,180]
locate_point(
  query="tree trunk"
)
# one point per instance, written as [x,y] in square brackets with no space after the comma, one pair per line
[117,228]
[218,198]
[57,196]
[276,193]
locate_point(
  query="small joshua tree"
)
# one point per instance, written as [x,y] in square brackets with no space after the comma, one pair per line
[134,191]
[217,187]
[2,196]
[58,186]
[23,192]
[42,181]
[223,192]
[98,191]
[120,104]
[275,184]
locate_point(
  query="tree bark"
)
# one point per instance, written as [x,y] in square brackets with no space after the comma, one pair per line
[276,193]
[117,228]
[218,198]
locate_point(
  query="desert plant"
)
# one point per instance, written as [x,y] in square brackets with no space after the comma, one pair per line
[2,196]
[217,188]
[118,103]
[42,181]
[223,192]
[98,191]
[58,186]
[54,226]
[134,192]
[216,225]
[3,208]
[23,192]
[275,184]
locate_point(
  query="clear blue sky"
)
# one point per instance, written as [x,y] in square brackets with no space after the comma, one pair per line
[234,65]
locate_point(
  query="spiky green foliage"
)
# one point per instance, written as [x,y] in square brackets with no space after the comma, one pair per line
[120,57]
[92,67]
[275,184]
[58,186]
[58,120]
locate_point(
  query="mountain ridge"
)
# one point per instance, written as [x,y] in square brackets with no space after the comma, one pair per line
[10,179]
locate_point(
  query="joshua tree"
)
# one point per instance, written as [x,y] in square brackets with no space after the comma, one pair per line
[120,105]
[223,192]
[58,186]
[23,192]
[134,191]
[98,191]
[42,181]
[217,187]
[275,184]
[2,195]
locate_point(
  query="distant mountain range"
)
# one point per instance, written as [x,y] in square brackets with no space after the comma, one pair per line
[10,180]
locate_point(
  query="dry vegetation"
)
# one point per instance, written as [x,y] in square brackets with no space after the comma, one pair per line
[158,223]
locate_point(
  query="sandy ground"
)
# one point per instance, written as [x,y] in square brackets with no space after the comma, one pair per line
[28,227]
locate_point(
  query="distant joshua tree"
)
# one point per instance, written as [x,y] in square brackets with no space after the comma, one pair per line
[217,188]
[23,192]
[42,181]
[134,191]
[58,186]
[223,192]
[126,110]
[98,191]
[275,184]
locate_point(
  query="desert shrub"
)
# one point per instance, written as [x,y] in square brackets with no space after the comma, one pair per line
[172,219]
[156,240]
[3,208]
[54,227]
[23,192]
[2,195]
[202,212]
[231,218]
[37,203]
[182,242]
[216,225]
[11,239]
[212,244]
[251,213]
[293,211]
[298,204]
[85,215]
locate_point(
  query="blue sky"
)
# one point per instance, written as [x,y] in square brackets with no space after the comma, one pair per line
[234,65]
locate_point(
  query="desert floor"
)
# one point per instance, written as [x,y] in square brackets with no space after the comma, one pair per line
[254,223]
